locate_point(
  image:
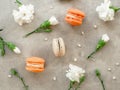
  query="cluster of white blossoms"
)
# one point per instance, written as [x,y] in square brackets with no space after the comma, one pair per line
[75,73]
[105,12]
[25,14]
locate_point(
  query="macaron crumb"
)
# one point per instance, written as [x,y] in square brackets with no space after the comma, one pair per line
[109,69]
[117,64]
[46,39]
[79,45]
[51,7]
[114,78]
[95,26]
[54,78]
[75,59]
[9,76]
[82,33]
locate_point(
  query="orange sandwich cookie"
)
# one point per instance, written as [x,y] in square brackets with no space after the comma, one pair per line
[35,64]
[74,17]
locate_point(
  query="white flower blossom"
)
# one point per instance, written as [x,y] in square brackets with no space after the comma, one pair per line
[105,12]
[105,38]
[24,15]
[17,50]
[75,73]
[53,21]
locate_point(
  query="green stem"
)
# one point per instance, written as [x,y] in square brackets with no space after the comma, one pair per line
[70,85]
[98,74]
[1,29]
[38,30]
[25,86]
[101,82]
[29,33]
[2,47]
[81,81]
[91,54]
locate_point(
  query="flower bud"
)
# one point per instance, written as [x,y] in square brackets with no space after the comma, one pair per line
[17,50]
[105,38]
[53,20]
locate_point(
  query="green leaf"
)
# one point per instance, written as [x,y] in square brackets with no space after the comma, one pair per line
[2,47]
[10,45]
[100,44]
[13,72]
[45,25]
[48,30]
[115,8]
[82,79]
[97,72]
[19,3]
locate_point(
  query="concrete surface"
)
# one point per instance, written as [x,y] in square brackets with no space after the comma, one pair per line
[35,45]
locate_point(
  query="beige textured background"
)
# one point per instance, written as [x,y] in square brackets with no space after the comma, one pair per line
[35,45]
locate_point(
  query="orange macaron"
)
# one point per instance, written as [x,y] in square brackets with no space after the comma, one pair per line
[74,17]
[35,64]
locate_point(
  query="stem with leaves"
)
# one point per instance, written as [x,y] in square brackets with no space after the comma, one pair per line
[98,74]
[82,79]
[44,27]
[15,73]
[100,44]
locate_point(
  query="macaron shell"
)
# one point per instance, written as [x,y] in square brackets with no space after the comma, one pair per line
[62,47]
[73,22]
[76,11]
[35,60]
[55,46]
[34,70]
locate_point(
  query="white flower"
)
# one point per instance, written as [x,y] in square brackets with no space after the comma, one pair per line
[24,15]
[105,38]
[17,50]
[105,12]
[75,73]
[53,20]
